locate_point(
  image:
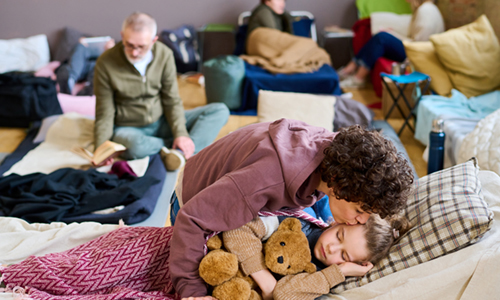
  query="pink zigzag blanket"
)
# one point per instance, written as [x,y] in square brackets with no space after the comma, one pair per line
[128,263]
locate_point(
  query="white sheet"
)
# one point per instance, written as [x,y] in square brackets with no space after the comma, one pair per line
[54,153]
[20,239]
[471,273]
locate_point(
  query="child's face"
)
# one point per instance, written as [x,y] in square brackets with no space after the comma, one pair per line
[342,243]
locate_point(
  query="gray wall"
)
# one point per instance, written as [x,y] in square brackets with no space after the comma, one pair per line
[23,18]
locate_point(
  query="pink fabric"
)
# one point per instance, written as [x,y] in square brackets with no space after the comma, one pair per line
[127,263]
[382,65]
[120,168]
[84,105]
[362,34]
[295,213]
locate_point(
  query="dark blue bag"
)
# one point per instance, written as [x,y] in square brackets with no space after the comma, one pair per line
[184,43]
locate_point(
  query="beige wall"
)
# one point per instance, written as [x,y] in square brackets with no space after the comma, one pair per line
[23,18]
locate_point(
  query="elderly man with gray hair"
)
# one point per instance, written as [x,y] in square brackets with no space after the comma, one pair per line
[138,103]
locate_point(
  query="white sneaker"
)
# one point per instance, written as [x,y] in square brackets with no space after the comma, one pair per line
[342,74]
[352,82]
[172,159]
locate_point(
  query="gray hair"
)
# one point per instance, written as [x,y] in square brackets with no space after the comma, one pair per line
[139,21]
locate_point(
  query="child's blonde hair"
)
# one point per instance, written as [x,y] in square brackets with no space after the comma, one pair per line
[382,233]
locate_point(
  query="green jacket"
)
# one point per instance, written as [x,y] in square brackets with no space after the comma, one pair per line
[264,16]
[125,98]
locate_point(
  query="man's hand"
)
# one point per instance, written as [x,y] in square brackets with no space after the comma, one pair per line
[185,144]
[354,269]
[200,298]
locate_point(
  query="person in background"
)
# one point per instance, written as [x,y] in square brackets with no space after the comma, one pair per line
[80,67]
[426,20]
[138,103]
[283,164]
[270,14]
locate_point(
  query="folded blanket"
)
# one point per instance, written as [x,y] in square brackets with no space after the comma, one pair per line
[281,52]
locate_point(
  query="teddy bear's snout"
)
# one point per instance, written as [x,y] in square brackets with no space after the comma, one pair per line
[280,259]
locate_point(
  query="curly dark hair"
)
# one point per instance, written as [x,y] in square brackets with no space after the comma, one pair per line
[363,167]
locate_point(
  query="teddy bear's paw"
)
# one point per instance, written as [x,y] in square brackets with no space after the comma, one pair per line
[234,289]
[218,267]
[248,279]
[255,296]
[214,243]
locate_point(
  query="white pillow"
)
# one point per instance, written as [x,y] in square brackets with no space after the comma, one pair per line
[24,55]
[316,110]
[381,21]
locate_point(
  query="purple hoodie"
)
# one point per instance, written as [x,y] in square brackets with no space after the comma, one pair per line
[265,166]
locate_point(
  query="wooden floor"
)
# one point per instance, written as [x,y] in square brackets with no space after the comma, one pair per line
[193,95]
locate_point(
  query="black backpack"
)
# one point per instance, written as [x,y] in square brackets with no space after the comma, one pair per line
[184,43]
[25,98]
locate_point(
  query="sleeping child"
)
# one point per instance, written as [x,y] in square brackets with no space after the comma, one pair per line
[338,251]
[134,262]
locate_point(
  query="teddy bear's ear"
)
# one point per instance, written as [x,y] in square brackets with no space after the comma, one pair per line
[292,224]
[310,268]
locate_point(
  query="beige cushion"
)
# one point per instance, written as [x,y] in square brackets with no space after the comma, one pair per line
[424,59]
[471,55]
[316,110]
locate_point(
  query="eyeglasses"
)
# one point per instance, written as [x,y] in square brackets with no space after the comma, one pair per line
[140,48]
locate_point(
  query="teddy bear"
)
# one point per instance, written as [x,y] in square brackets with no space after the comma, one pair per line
[286,252]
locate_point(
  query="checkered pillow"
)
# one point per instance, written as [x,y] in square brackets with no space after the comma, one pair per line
[447,212]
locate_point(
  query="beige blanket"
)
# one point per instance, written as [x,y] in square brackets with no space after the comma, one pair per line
[281,52]
[55,153]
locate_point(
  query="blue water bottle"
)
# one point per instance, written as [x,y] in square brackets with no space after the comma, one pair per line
[436,147]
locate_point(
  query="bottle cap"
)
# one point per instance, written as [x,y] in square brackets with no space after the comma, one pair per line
[437,125]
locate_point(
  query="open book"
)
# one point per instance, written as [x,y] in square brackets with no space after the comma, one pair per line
[98,42]
[106,150]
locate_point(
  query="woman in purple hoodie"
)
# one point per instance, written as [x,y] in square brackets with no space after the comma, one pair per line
[284,164]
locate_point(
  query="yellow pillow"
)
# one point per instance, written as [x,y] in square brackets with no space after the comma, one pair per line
[471,55]
[424,59]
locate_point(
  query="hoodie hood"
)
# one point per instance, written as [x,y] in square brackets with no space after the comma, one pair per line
[300,151]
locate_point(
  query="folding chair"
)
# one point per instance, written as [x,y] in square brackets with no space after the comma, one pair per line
[401,82]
